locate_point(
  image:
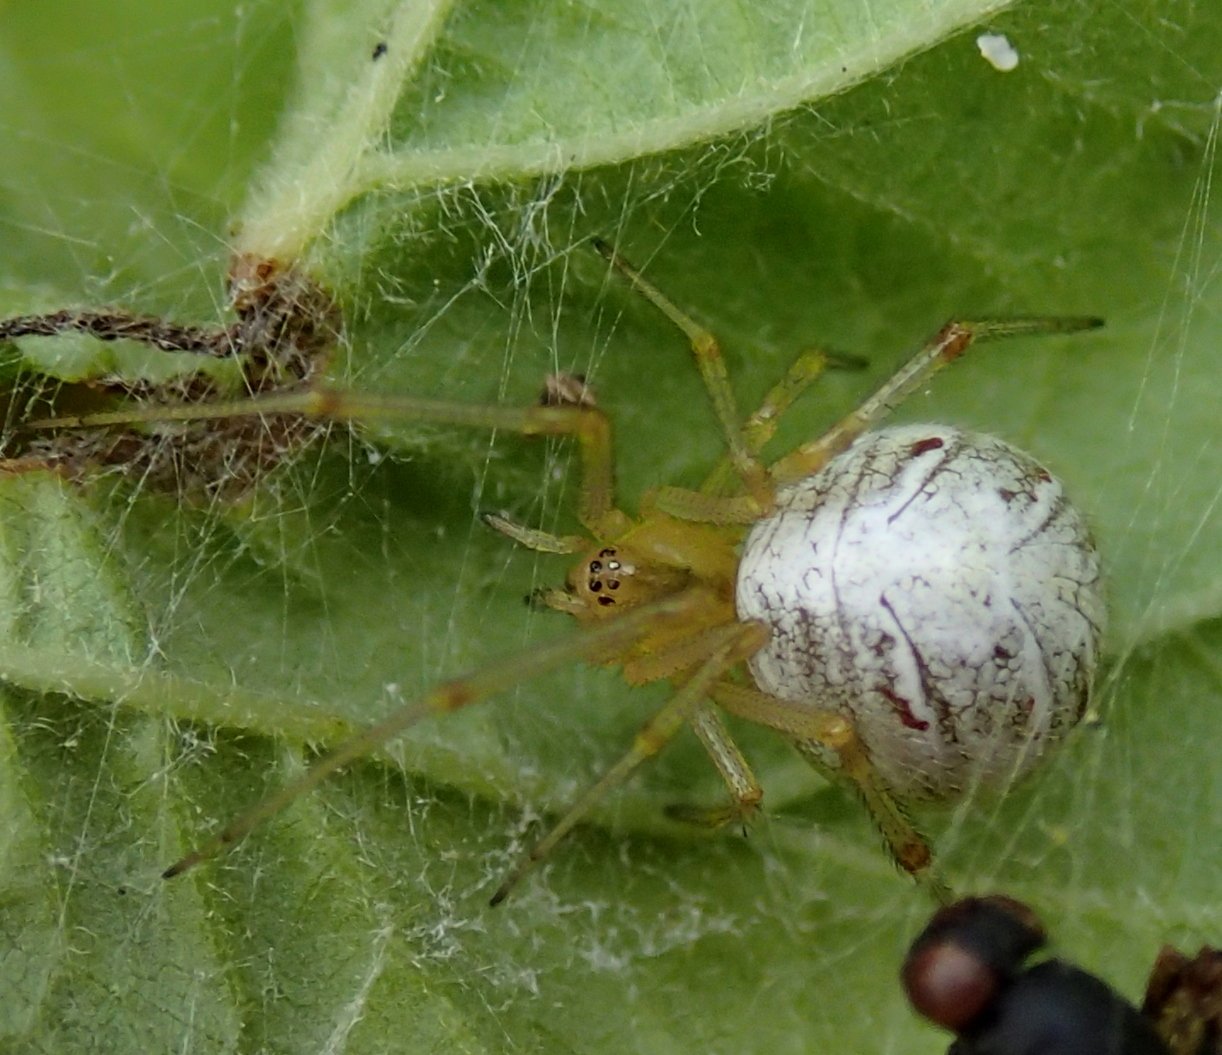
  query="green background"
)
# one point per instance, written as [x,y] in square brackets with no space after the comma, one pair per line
[165,665]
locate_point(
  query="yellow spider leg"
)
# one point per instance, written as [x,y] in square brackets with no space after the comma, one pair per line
[732,644]
[696,507]
[761,426]
[534,538]
[947,345]
[592,644]
[735,772]
[712,367]
[807,725]
[950,343]
[588,425]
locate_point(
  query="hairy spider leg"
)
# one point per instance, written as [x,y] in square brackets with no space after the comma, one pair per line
[534,538]
[761,426]
[947,345]
[746,792]
[808,726]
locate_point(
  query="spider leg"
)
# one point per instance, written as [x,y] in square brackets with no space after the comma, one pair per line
[947,345]
[761,426]
[600,643]
[734,770]
[731,645]
[588,425]
[696,507]
[533,538]
[809,725]
[712,367]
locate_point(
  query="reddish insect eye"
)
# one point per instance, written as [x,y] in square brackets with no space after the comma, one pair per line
[960,961]
[948,984]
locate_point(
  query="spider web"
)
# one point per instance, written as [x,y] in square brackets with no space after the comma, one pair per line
[164,665]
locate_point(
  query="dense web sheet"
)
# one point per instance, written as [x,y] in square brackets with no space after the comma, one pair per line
[164,664]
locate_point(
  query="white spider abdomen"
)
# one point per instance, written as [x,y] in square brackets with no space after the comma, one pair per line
[936,587]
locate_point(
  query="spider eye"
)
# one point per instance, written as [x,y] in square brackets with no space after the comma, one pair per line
[610,579]
[605,563]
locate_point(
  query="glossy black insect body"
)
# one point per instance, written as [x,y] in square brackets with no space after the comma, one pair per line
[968,971]
[1054,1008]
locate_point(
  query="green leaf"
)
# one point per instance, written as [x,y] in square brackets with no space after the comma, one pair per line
[771,167]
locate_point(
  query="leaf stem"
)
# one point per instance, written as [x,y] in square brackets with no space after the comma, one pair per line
[317,168]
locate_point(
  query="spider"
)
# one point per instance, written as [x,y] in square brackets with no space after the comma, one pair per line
[917,609]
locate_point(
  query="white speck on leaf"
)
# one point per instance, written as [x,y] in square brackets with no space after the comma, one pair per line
[998,52]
